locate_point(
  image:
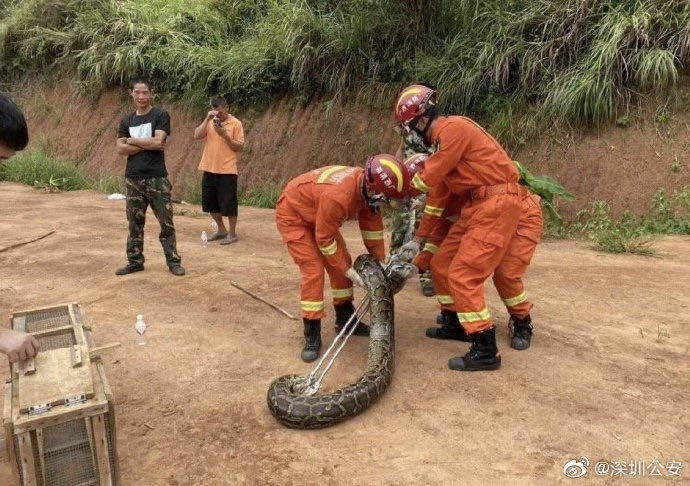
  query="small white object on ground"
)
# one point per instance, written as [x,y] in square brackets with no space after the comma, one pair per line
[204,238]
[116,195]
[140,328]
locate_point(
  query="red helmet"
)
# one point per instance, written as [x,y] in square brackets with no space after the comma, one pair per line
[384,175]
[413,164]
[413,102]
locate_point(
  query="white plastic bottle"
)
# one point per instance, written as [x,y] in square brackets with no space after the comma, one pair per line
[140,328]
[204,238]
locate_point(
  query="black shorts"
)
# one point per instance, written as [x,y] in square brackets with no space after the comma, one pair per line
[219,193]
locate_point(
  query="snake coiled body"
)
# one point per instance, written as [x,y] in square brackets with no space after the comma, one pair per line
[297,410]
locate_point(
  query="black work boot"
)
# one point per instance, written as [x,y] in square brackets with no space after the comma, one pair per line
[312,340]
[426,284]
[520,332]
[342,315]
[450,328]
[177,269]
[483,354]
[129,268]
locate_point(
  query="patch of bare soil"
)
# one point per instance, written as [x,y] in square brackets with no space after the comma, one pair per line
[606,376]
[623,166]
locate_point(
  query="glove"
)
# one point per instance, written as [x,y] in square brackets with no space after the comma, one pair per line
[423,261]
[405,270]
[355,277]
[408,251]
[398,272]
[418,203]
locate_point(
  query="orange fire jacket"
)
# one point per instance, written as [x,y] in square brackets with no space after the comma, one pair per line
[466,157]
[324,198]
[441,205]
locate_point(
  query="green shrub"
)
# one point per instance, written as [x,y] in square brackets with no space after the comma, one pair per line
[37,168]
[683,198]
[557,228]
[667,217]
[623,121]
[630,234]
[625,235]
[546,188]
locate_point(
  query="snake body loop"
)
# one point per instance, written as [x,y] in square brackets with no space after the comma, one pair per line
[298,410]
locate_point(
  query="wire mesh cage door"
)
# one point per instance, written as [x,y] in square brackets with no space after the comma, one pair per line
[59,415]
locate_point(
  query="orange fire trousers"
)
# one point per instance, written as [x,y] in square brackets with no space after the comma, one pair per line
[508,275]
[301,244]
[484,241]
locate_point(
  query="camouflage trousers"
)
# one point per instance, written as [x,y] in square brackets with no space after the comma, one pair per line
[402,231]
[142,193]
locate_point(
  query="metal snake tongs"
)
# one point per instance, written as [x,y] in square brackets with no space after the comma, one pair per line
[313,385]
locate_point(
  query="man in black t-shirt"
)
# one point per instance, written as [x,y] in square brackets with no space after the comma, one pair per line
[141,137]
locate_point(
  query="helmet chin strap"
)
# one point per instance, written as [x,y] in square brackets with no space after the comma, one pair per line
[431,113]
[374,203]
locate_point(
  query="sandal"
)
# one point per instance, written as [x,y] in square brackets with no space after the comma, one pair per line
[217,236]
[228,239]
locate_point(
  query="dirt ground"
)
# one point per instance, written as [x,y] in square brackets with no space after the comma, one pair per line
[606,377]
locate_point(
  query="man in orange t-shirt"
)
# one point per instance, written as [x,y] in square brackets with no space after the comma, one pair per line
[224,141]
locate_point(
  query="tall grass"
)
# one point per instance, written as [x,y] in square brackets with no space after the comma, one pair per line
[38,168]
[574,60]
[262,197]
[110,184]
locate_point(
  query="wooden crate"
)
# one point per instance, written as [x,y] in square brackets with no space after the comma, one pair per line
[58,415]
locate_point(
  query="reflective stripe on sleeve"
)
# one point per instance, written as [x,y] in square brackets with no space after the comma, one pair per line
[433,210]
[482,315]
[342,293]
[308,305]
[518,299]
[372,235]
[418,183]
[430,247]
[445,299]
[329,249]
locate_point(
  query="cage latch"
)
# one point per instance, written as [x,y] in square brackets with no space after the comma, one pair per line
[75,400]
[39,409]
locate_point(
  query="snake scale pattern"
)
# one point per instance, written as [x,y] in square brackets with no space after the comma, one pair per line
[300,411]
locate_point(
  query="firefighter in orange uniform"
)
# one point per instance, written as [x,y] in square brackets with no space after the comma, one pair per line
[309,214]
[444,209]
[467,160]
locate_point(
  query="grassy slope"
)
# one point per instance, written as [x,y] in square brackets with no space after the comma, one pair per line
[517,65]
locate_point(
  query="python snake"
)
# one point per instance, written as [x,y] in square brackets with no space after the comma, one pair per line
[295,409]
